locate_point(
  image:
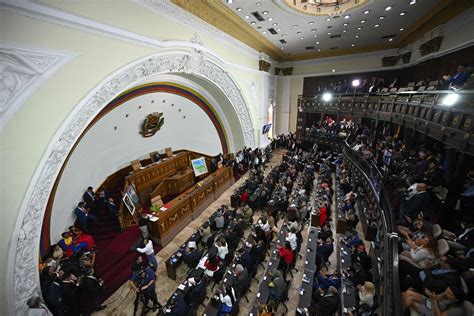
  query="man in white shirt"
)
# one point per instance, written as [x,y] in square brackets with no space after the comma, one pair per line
[149,252]
[291,238]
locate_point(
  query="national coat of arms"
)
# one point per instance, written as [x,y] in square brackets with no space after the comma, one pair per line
[152,124]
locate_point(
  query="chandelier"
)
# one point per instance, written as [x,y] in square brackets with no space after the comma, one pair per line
[322,7]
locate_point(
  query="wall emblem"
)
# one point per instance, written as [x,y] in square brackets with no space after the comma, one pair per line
[152,124]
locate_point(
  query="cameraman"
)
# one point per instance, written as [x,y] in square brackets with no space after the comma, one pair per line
[143,283]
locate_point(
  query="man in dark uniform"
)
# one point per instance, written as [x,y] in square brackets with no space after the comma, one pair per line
[143,283]
[90,290]
[70,295]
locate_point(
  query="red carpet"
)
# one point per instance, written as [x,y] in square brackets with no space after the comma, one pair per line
[114,258]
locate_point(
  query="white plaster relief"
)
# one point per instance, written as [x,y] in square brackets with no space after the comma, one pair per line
[22,71]
[25,242]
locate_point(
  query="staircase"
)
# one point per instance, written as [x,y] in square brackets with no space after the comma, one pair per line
[114,257]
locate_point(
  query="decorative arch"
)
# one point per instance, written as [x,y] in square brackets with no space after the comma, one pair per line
[23,276]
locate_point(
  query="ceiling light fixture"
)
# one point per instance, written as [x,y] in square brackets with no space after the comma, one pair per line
[362,21]
[353,45]
[239,9]
[264,32]
[319,49]
[327,96]
[295,26]
[275,24]
[301,37]
[344,31]
[450,99]
[355,83]
[311,23]
[377,25]
[265,12]
[347,16]
[253,23]
[328,19]
[329,33]
[357,36]
[270,19]
[402,13]
[278,30]
[247,17]
[359,28]
[388,8]
[346,24]
[230,1]
[390,39]
[412,2]
[313,30]
[259,3]
[284,35]
[366,11]
[382,17]
[402,29]
[317,43]
[315,35]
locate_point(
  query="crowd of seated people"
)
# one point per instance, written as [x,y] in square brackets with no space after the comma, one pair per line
[436,258]
[227,229]
[459,79]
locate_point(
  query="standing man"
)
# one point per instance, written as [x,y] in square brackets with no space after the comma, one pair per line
[149,252]
[89,198]
[143,283]
[90,291]
[83,216]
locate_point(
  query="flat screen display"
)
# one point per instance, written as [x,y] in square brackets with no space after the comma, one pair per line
[199,166]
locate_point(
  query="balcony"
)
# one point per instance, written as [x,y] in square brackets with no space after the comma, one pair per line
[442,115]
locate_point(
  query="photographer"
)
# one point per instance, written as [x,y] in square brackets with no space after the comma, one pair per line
[143,283]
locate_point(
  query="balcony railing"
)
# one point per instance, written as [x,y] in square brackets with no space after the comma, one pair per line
[443,115]
[371,177]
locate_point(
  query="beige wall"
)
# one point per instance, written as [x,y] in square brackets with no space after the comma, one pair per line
[26,136]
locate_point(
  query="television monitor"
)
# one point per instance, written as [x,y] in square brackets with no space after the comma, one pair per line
[266,128]
[127,200]
[199,166]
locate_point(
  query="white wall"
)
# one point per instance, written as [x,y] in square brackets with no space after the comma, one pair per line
[104,149]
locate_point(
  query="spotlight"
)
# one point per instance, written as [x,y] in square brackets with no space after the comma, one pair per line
[355,83]
[327,96]
[449,100]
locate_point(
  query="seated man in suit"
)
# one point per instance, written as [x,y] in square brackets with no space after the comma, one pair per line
[242,280]
[325,304]
[326,249]
[177,306]
[191,255]
[418,202]
[197,293]
[83,216]
[277,285]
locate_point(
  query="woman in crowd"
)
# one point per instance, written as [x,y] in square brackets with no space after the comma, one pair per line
[228,300]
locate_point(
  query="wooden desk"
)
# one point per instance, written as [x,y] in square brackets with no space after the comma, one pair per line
[148,178]
[264,290]
[189,205]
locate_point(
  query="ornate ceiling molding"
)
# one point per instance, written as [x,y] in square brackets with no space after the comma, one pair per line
[321,7]
[22,71]
[24,249]
[220,16]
